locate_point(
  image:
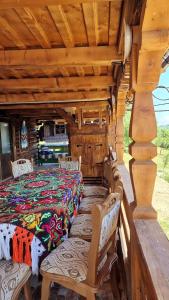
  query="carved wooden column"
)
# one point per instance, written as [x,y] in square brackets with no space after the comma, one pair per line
[147,52]
[119,140]
[142,168]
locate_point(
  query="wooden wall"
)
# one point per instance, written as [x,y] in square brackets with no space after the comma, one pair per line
[91,142]
[32,140]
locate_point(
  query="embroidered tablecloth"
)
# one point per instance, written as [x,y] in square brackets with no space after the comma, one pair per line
[36,210]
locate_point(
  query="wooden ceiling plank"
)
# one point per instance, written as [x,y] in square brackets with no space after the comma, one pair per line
[28,18]
[88,12]
[103,55]
[115,10]
[62,24]
[6,4]
[91,21]
[102,13]
[9,31]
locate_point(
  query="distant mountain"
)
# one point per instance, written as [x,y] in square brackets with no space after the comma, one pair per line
[164,126]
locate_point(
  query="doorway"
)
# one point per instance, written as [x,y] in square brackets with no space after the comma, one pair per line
[5,150]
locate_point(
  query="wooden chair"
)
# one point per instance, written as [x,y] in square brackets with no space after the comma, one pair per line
[21,166]
[87,203]
[70,164]
[82,266]
[82,227]
[14,277]
[82,224]
[95,191]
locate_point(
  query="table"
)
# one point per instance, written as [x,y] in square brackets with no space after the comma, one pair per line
[36,210]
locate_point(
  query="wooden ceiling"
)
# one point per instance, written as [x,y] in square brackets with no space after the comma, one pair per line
[59,53]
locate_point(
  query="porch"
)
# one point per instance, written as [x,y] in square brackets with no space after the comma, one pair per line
[79,64]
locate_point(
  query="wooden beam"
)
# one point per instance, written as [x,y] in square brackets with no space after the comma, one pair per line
[28,83]
[88,82]
[53,97]
[101,55]
[85,82]
[92,105]
[6,4]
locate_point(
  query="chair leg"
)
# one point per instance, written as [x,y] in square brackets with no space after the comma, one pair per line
[27,291]
[45,291]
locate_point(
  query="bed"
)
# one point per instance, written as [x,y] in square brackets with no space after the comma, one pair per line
[36,211]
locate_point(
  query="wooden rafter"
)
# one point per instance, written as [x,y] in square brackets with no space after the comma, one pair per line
[102,55]
[4,4]
[54,97]
[57,83]
[82,104]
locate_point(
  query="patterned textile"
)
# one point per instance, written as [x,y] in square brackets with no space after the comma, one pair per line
[87,203]
[82,226]
[11,276]
[68,259]
[35,212]
[109,223]
[96,191]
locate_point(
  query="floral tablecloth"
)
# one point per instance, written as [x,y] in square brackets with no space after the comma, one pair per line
[36,210]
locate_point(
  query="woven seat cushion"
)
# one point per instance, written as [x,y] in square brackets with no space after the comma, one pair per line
[82,226]
[87,203]
[68,259]
[12,276]
[98,191]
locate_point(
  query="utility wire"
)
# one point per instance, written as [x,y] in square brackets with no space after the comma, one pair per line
[162,110]
[161,104]
[161,87]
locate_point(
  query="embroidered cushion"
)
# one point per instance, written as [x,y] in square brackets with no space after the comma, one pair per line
[98,191]
[68,259]
[82,226]
[12,275]
[87,203]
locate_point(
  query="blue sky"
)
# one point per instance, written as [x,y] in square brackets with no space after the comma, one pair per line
[162,117]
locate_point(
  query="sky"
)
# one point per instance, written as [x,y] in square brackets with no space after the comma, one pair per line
[162,117]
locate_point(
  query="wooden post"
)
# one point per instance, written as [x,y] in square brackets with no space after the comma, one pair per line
[119,129]
[119,146]
[146,58]
[142,168]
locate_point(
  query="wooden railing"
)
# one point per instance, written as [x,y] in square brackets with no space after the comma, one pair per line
[145,250]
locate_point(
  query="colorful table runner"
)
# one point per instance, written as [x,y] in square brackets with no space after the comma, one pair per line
[35,213]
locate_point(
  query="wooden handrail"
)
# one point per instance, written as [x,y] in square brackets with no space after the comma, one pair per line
[145,250]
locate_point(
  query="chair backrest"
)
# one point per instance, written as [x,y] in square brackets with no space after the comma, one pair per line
[71,165]
[21,166]
[108,177]
[103,243]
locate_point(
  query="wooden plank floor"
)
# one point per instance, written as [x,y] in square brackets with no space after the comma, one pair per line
[61,293]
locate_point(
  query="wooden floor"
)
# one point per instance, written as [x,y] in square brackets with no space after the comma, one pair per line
[61,293]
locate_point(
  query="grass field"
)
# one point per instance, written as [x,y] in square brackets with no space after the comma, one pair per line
[161,190]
